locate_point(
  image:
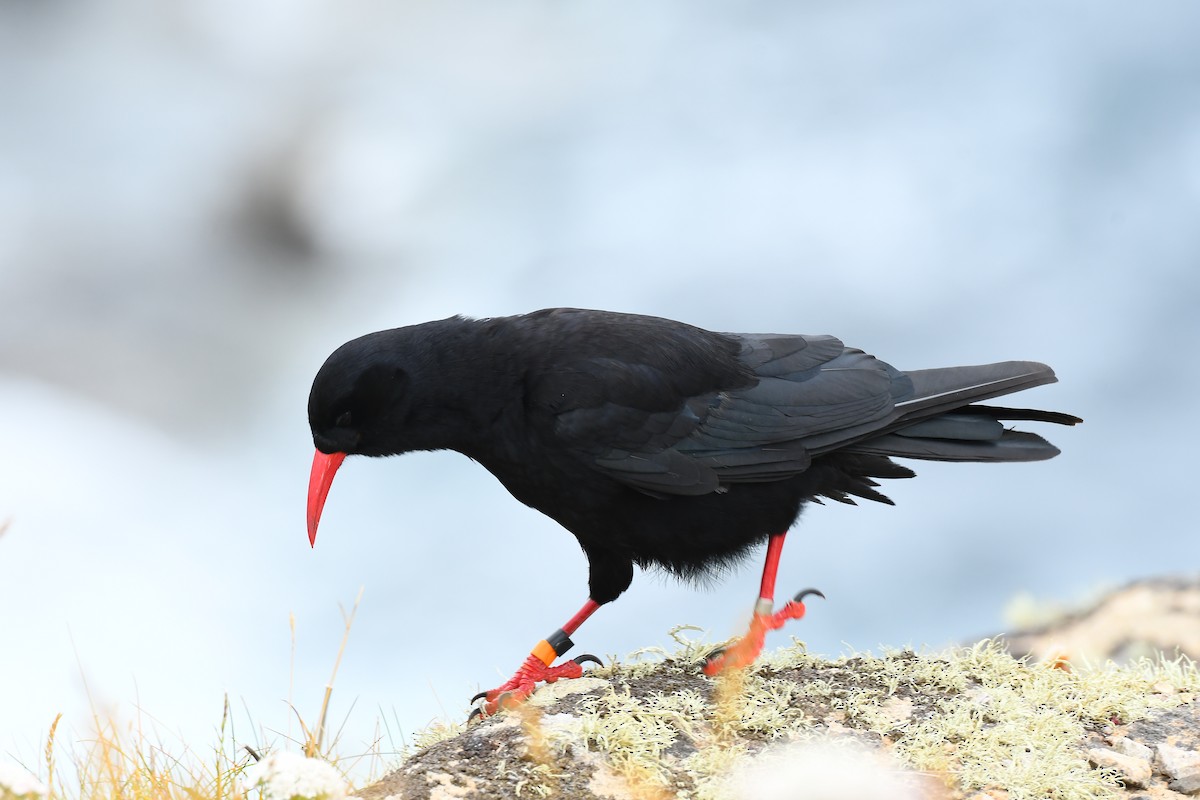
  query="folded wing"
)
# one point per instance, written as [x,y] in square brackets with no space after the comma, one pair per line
[777,402]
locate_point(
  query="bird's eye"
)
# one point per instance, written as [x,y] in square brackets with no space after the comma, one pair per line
[343,421]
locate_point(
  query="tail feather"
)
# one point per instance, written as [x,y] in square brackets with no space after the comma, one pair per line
[939,390]
[849,474]
[939,423]
[1010,446]
[1023,414]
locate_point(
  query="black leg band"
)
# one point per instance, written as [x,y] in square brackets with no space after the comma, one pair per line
[560,642]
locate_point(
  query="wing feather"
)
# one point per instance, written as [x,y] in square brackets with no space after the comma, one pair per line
[748,429]
[676,410]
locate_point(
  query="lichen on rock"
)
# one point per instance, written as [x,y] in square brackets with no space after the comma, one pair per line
[959,723]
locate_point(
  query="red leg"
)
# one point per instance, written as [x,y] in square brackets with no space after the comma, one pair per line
[743,652]
[538,666]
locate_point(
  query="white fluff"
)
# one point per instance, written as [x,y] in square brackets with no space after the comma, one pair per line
[282,776]
[824,771]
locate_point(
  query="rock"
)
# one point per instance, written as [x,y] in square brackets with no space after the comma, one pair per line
[1146,618]
[1180,766]
[927,722]
[1178,726]
[1128,747]
[1135,772]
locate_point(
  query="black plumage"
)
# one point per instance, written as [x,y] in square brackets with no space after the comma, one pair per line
[658,443]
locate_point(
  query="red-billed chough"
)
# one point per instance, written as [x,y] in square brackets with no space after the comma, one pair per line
[658,443]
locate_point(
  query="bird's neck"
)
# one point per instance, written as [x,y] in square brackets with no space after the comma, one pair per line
[470,382]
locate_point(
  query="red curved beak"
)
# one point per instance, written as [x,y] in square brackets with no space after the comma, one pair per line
[323,469]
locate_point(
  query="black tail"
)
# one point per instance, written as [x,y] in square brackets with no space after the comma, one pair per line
[939,423]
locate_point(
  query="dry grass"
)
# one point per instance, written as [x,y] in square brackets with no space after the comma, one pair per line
[135,761]
[314,738]
[132,763]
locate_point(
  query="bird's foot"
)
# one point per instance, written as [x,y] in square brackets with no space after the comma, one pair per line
[742,653]
[521,685]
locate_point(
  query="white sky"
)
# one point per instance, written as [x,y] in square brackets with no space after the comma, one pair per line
[939,183]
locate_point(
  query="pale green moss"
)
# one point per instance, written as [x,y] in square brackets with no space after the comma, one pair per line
[635,733]
[975,716]
[1019,726]
[436,732]
[649,660]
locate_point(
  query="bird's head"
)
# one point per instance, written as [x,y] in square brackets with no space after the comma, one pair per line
[358,405]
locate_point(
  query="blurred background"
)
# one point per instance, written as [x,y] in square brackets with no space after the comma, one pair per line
[200,200]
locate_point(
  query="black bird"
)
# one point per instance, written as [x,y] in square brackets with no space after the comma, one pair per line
[654,442]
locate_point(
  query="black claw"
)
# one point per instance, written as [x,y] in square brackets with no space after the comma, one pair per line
[803,593]
[479,696]
[475,712]
[585,658]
